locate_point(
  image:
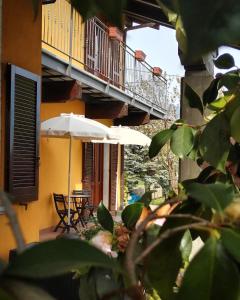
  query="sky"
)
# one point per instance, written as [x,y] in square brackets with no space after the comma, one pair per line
[161,49]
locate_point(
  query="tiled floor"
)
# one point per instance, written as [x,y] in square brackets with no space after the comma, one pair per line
[48,234]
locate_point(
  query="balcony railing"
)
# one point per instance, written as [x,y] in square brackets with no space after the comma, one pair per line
[89,46]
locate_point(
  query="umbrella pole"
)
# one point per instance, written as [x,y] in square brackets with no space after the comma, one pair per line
[69,177]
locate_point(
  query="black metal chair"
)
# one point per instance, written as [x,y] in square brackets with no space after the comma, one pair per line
[84,205]
[62,210]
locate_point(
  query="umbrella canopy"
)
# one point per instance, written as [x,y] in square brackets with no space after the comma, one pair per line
[76,126]
[126,136]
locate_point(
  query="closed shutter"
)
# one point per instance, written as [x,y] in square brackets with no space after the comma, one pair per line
[87,166]
[113,176]
[23,134]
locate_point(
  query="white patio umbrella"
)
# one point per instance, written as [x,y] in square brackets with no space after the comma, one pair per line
[74,126]
[126,136]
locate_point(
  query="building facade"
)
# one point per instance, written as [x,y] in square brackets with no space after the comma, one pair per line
[53,63]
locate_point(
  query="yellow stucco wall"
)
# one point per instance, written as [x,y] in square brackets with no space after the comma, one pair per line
[58,20]
[21,45]
[54,154]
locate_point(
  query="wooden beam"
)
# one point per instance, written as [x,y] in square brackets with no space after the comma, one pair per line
[60,91]
[106,110]
[133,120]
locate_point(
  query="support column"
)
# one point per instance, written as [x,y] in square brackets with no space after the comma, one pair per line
[106,175]
[198,80]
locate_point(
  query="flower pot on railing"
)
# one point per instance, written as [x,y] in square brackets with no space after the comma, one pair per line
[157,71]
[115,34]
[140,55]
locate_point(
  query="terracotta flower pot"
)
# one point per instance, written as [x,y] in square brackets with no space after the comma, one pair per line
[115,34]
[157,71]
[140,55]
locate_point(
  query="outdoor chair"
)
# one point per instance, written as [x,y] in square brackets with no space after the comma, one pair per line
[84,204]
[62,211]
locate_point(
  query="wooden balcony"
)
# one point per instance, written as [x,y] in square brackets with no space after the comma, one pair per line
[98,50]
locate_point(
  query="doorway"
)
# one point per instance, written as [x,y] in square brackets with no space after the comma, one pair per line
[93,171]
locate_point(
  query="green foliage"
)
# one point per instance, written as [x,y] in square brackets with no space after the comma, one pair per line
[205,275]
[194,100]
[112,10]
[158,141]
[145,174]
[225,61]
[63,255]
[234,123]
[98,283]
[231,241]
[131,214]
[162,269]
[182,141]
[211,93]
[186,246]
[229,80]
[105,218]
[217,196]
[215,143]
[203,32]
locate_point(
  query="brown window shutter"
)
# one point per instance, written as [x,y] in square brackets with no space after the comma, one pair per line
[23,134]
[87,166]
[113,175]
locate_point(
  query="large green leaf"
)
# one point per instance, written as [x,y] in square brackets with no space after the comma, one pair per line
[211,275]
[224,61]
[205,174]
[235,125]
[186,246]
[214,143]
[158,141]
[231,241]
[104,217]
[57,257]
[163,266]
[229,80]
[219,104]
[217,195]
[106,283]
[194,153]
[211,93]
[182,141]
[194,100]
[131,214]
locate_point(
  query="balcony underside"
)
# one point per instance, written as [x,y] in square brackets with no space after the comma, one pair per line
[94,89]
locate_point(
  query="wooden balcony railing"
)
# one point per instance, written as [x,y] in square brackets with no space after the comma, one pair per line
[93,47]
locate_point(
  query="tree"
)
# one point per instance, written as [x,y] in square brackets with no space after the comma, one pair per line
[161,171]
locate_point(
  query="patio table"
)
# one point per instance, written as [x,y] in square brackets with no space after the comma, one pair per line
[81,203]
